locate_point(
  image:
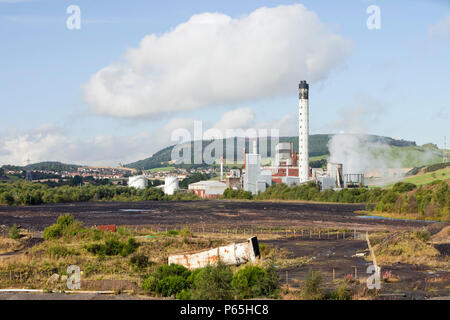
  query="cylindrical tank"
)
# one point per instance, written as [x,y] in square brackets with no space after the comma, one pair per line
[138,182]
[170,185]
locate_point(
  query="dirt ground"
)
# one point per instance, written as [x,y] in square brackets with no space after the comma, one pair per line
[241,214]
[416,282]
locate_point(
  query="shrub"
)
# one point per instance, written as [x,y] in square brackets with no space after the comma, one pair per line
[171,285]
[423,235]
[173,232]
[312,286]
[139,261]
[66,225]
[403,187]
[341,293]
[14,232]
[168,280]
[348,278]
[253,281]
[213,283]
[61,251]
[113,247]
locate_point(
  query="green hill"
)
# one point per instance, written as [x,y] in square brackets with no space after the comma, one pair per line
[47,165]
[318,147]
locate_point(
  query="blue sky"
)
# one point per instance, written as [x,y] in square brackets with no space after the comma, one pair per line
[393,81]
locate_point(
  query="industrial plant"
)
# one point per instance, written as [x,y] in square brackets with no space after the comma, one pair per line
[287,166]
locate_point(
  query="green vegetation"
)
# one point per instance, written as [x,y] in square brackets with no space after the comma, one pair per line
[26,193]
[430,202]
[14,232]
[45,166]
[113,247]
[237,194]
[403,187]
[253,281]
[212,282]
[312,286]
[66,225]
[429,177]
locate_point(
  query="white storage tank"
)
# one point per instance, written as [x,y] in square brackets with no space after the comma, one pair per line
[170,185]
[138,182]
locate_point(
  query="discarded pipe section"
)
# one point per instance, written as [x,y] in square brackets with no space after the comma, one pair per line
[233,254]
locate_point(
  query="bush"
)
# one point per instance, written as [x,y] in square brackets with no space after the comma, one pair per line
[253,281]
[403,187]
[171,285]
[312,286]
[341,293]
[113,247]
[423,235]
[139,261]
[61,251]
[66,225]
[168,280]
[14,232]
[213,283]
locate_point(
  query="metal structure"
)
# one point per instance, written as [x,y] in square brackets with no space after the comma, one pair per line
[170,185]
[233,254]
[335,171]
[28,176]
[354,180]
[303,128]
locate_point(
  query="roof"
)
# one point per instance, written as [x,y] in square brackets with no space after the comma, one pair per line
[209,183]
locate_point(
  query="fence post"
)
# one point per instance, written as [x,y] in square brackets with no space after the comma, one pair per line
[334,275]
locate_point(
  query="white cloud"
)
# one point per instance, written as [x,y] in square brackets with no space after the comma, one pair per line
[241,118]
[441,29]
[287,125]
[214,59]
[50,143]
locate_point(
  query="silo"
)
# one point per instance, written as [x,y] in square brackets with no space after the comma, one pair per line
[170,185]
[138,182]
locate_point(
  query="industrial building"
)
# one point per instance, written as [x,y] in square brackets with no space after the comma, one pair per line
[288,167]
[255,180]
[208,189]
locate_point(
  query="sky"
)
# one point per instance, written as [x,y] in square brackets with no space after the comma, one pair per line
[115,90]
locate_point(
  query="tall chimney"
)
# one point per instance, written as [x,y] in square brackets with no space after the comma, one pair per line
[303,131]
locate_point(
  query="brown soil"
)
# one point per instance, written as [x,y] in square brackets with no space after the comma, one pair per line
[234,214]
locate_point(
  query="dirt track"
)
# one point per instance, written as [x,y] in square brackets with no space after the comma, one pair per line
[209,213]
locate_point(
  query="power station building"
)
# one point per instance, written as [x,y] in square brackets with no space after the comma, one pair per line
[288,167]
